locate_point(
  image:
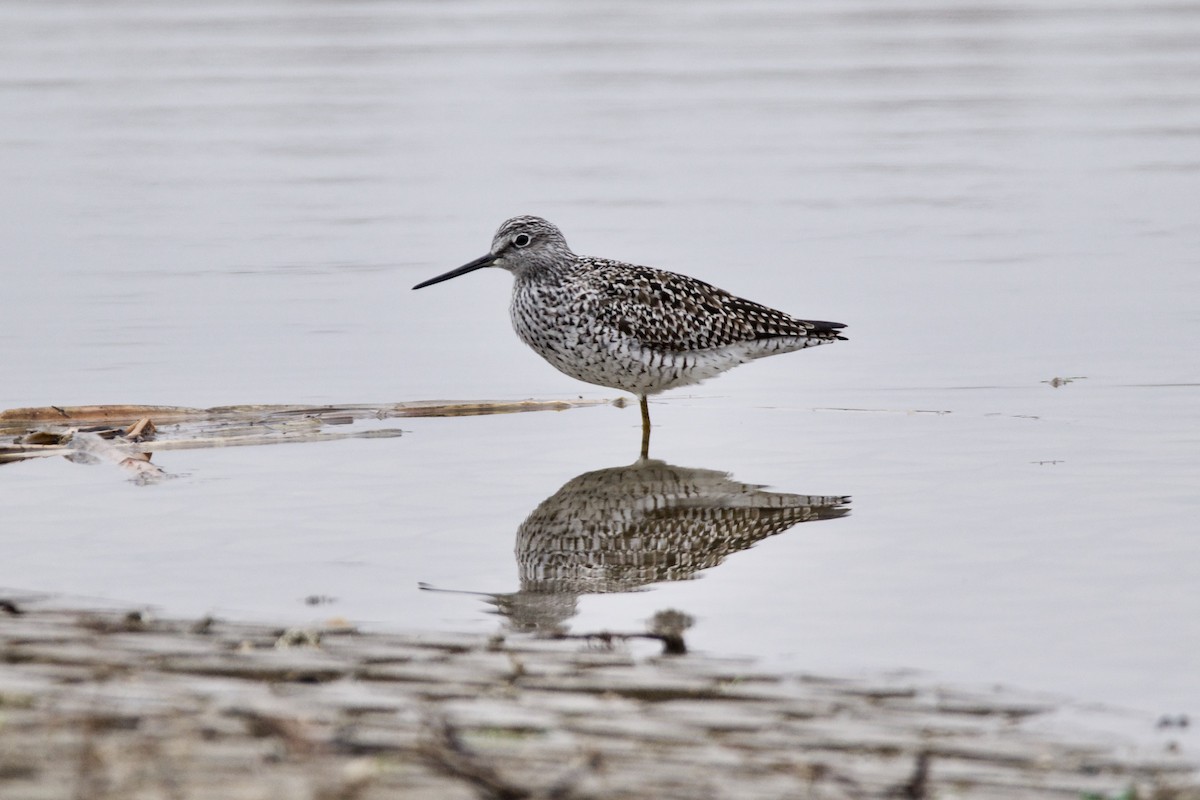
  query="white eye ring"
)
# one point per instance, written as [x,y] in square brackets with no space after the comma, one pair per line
[522,240]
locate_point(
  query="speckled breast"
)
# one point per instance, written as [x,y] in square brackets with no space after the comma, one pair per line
[559,328]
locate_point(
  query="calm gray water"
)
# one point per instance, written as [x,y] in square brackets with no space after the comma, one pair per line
[209,204]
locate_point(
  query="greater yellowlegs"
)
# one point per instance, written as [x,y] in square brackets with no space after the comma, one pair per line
[638,329]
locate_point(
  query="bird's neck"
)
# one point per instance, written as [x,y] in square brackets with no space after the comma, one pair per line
[545,274]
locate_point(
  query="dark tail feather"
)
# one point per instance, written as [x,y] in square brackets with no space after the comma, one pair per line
[826,330]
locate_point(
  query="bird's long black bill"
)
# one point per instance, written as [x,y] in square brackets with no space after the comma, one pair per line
[479,263]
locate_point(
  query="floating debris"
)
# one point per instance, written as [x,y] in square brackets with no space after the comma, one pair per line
[1056,383]
[127,435]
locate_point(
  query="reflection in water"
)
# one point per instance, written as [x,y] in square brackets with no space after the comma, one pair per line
[619,529]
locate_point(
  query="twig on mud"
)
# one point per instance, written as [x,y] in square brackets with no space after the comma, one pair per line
[444,750]
[291,732]
[91,779]
[665,626]
[917,786]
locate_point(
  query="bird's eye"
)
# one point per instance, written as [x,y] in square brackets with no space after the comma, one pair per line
[522,239]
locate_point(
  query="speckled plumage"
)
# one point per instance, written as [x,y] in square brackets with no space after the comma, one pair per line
[628,327]
[623,528]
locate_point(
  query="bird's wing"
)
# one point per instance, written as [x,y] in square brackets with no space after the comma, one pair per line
[671,312]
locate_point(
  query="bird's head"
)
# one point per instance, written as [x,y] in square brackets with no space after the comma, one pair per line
[525,246]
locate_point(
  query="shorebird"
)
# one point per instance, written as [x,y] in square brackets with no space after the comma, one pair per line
[638,329]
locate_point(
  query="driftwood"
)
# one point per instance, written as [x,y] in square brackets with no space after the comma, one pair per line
[126,435]
[127,414]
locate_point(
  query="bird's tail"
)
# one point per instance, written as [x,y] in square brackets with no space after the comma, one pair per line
[826,331]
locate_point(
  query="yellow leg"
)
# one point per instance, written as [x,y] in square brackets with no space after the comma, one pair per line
[645,427]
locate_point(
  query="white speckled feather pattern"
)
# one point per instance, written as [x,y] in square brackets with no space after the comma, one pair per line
[628,327]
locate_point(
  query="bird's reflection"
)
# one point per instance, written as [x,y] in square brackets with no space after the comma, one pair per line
[620,529]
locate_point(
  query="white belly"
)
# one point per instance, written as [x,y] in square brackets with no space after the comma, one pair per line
[607,358]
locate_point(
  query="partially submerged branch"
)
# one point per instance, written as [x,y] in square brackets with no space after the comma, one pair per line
[125,435]
[19,418]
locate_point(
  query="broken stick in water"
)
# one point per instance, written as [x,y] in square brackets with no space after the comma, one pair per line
[126,434]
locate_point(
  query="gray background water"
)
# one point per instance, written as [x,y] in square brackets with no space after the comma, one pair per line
[217,203]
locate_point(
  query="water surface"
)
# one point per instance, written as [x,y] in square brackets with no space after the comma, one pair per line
[213,204]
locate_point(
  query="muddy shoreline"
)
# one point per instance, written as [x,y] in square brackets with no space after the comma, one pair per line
[112,704]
